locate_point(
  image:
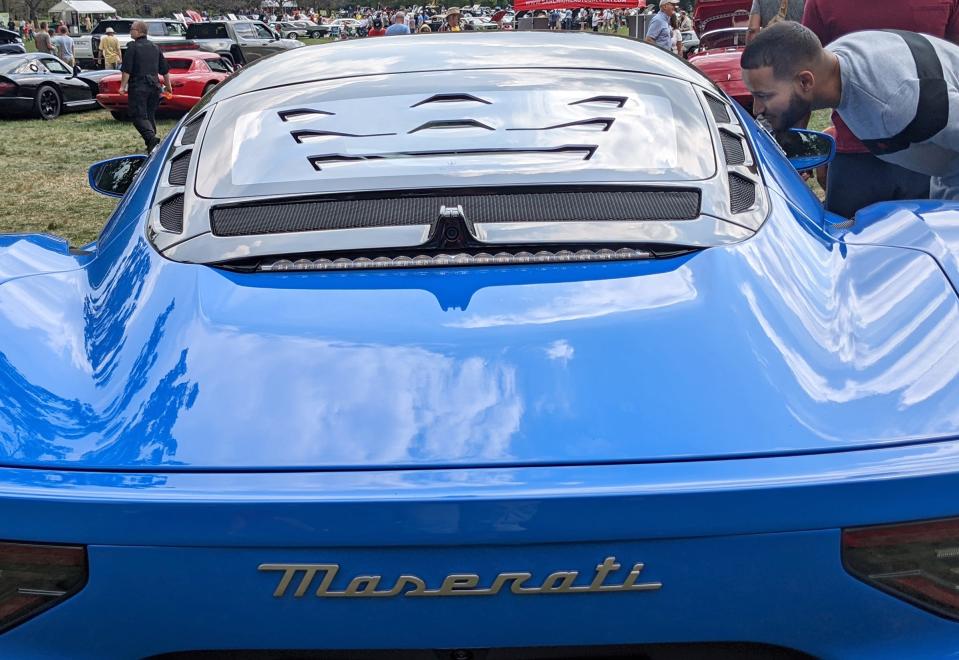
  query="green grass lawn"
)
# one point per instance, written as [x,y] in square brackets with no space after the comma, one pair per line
[43,182]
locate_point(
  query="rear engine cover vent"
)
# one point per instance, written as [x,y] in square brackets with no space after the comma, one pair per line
[179,167]
[191,130]
[742,193]
[171,214]
[733,148]
[338,213]
[719,109]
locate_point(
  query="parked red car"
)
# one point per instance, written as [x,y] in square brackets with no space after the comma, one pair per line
[718,56]
[192,73]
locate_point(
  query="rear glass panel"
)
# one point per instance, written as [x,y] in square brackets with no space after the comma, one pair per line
[207,31]
[451,129]
[179,66]
[120,27]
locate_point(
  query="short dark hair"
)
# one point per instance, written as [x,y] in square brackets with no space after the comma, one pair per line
[787,47]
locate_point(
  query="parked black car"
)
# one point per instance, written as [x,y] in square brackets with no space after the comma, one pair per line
[11,43]
[44,86]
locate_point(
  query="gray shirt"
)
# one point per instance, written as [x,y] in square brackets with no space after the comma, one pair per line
[64,46]
[769,8]
[41,40]
[880,95]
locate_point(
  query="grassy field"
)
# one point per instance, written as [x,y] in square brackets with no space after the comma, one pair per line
[43,172]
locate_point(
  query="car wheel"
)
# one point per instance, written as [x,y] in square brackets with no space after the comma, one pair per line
[47,104]
[315,34]
[119,116]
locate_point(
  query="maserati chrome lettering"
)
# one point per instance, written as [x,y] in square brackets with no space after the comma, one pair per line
[456,584]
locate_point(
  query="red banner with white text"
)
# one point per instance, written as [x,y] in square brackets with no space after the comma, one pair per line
[549,5]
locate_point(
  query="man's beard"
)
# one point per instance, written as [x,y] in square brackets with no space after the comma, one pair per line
[798,108]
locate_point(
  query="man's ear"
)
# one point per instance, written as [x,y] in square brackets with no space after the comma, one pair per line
[806,80]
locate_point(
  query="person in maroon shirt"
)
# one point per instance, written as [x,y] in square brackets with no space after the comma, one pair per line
[857,178]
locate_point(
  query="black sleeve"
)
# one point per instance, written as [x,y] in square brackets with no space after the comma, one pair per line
[162,66]
[129,59]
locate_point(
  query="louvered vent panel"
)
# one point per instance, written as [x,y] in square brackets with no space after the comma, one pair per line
[191,131]
[594,206]
[179,167]
[742,193]
[719,109]
[171,214]
[733,148]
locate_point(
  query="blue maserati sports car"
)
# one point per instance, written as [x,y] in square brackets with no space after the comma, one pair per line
[480,346]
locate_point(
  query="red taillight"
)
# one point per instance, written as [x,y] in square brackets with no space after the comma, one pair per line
[7,88]
[36,577]
[918,562]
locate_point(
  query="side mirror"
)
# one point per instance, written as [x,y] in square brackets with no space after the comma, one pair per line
[77,70]
[112,177]
[807,150]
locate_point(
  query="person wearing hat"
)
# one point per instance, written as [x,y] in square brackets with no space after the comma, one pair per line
[452,22]
[660,32]
[110,49]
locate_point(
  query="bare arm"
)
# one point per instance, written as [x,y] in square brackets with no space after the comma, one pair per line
[124,80]
[167,85]
[755,22]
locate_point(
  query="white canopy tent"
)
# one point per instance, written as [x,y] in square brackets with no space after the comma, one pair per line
[73,11]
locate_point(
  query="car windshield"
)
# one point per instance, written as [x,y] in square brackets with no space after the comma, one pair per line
[207,31]
[723,39]
[120,27]
[514,128]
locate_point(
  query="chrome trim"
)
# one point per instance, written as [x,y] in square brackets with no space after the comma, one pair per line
[700,232]
[207,248]
[454,584]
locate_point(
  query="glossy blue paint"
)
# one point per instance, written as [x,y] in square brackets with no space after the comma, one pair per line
[782,344]
[718,417]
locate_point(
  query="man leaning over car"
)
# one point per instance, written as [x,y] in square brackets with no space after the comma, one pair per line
[856,177]
[897,91]
[142,64]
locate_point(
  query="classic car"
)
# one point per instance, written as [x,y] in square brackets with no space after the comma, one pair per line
[167,33]
[300,29]
[718,56]
[480,23]
[374,362]
[192,74]
[711,15]
[238,42]
[44,86]
[11,43]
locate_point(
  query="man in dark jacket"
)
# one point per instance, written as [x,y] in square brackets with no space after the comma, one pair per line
[143,63]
